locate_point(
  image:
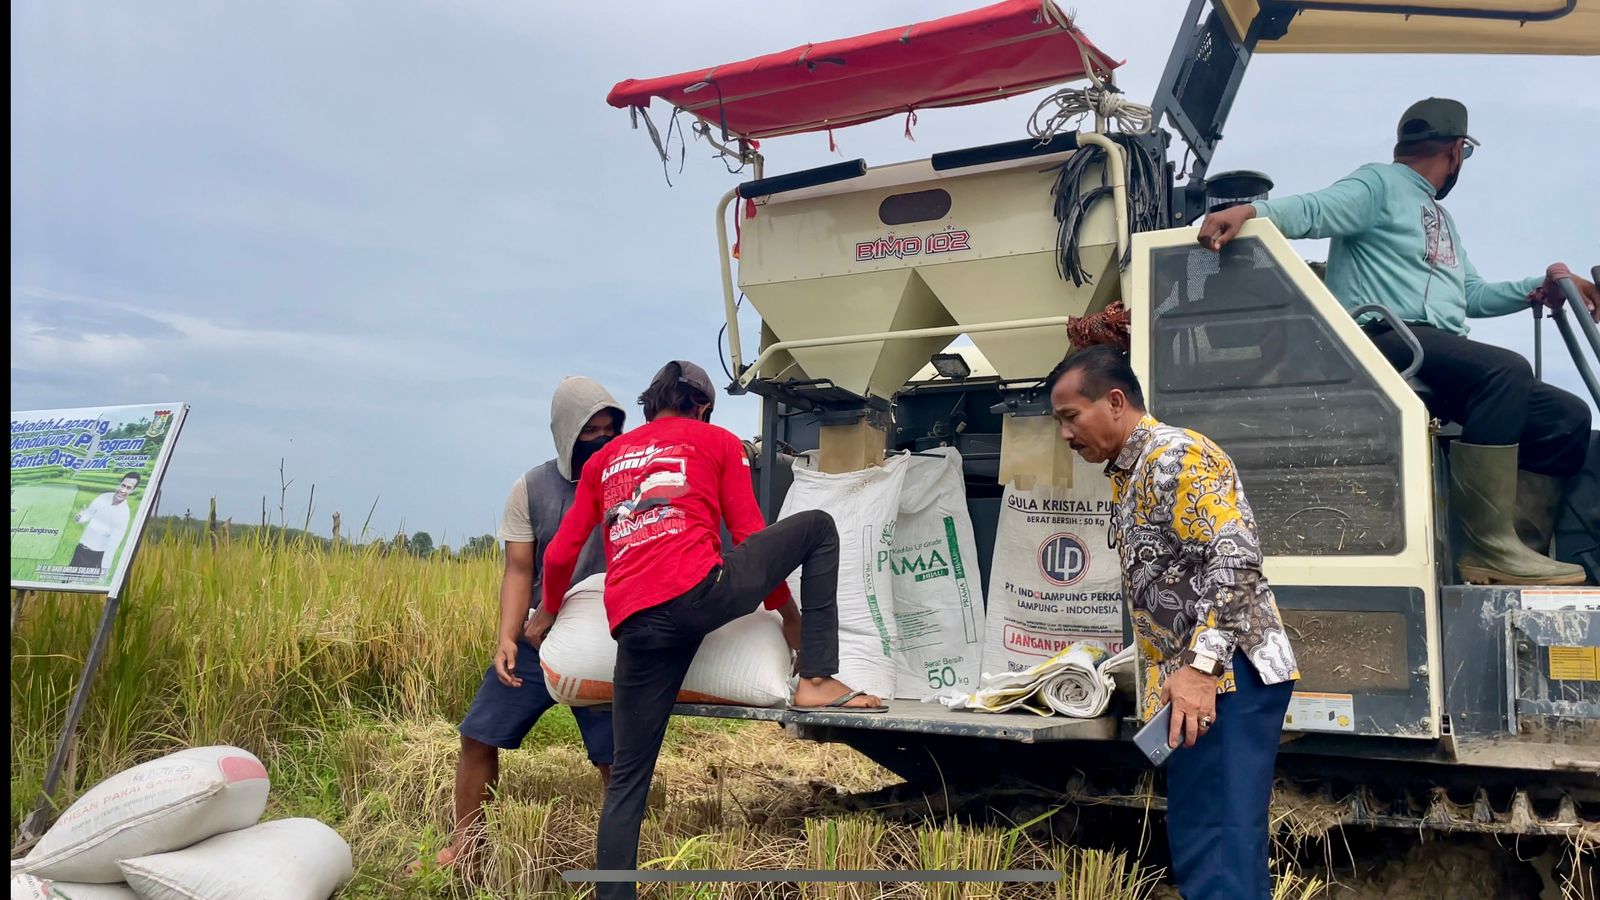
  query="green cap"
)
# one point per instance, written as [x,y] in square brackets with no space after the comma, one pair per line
[1433,119]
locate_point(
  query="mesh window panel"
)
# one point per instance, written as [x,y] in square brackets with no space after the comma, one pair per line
[1238,354]
[1199,92]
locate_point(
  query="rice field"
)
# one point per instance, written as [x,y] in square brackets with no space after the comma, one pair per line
[346,670]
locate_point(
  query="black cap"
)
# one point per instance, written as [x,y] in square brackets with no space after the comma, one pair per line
[1433,119]
[691,375]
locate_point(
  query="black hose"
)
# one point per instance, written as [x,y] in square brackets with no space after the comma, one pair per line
[1147,201]
[721,333]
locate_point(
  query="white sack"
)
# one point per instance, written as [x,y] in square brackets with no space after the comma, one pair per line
[286,859]
[938,595]
[744,663]
[865,506]
[153,807]
[1055,580]
[1071,683]
[27,887]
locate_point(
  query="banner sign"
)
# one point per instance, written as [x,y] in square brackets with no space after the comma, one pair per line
[83,482]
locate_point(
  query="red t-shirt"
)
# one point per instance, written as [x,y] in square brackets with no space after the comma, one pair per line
[662,491]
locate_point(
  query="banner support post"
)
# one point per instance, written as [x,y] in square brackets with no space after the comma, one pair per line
[32,827]
[16,608]
[122,451]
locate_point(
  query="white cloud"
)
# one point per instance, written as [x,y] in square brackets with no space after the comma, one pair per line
[371,239]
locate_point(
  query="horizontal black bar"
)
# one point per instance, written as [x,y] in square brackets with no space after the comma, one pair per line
[794,181]
[816,876]
[993,153]
[1406,9]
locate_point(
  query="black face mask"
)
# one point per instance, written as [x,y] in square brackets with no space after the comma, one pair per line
[1449,182]
[582,450]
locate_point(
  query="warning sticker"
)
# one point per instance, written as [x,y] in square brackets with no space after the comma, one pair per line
[1575,663]
[1567,598]
[1310,711]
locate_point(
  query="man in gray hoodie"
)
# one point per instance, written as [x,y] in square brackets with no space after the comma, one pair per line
[583,418]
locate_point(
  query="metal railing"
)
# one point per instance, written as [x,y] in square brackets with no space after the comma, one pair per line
[1580,312]
[1398,327]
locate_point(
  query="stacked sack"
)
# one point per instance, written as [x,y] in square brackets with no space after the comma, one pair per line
[184,827]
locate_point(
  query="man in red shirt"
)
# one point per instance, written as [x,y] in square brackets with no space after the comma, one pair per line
[663,492]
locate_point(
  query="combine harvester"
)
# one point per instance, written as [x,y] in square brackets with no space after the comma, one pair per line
[1425,701]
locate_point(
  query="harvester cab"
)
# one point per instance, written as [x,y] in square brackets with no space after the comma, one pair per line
[865,277]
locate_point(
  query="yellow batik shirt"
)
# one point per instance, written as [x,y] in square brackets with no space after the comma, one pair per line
[1191,561]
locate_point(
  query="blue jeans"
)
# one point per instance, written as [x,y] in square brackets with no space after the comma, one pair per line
[502,716]
[1218,792]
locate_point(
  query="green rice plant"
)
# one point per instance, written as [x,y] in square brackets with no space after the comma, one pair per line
[848,843]
[247,642]
[956,847]
[700,851]
[1100,875]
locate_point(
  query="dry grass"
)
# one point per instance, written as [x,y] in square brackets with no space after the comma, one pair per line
[345,672]
[252,643]
[736,797]
[1582,882]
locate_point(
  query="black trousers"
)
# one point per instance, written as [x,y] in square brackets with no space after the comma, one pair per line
[84,558]
[655,647]
[1491,393]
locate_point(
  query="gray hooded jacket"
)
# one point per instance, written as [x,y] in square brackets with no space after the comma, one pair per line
[541,497]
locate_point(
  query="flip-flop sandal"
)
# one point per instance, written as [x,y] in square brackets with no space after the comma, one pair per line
[838,705]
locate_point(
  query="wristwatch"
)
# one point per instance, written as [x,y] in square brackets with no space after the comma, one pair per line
[1205,662]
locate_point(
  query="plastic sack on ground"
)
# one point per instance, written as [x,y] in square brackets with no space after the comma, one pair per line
[27,887]
[865,505]
[744,663]
[160,805]
[287,859]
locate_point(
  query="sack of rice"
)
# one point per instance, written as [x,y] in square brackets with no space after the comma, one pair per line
[743,663]
[286,859]
[161,805]
[27,887]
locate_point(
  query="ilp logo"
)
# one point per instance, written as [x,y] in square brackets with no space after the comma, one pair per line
[1063,559]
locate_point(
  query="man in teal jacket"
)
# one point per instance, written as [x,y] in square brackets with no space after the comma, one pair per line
[1395,245]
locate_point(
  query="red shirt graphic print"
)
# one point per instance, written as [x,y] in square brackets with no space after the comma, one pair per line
[637,489]
[662,493]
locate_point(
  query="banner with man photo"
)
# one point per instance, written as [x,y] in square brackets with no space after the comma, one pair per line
[83,482]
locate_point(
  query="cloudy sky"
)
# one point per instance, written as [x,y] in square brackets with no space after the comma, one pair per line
[368,238]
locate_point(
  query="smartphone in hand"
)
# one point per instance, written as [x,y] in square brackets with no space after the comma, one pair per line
[1152,738]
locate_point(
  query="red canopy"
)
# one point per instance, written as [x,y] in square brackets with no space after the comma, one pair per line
[986,54]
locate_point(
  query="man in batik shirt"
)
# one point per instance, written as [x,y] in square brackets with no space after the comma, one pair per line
[1209,635]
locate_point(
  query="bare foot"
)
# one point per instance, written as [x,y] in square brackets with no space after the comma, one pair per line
[823,691]
[444,859]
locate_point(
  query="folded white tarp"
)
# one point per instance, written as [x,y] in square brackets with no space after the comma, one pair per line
[1075,682]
